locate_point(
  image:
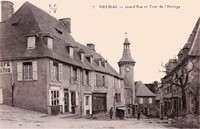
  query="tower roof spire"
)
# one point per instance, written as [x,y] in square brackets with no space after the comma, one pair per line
[126,39]
[126,56]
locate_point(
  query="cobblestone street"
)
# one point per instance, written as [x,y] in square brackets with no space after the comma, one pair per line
[19,118]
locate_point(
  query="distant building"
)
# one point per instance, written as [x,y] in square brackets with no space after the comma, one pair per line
[145,99]
[42,68]
[179,92]
[152,86]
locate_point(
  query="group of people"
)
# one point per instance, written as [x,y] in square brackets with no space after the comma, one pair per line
[111,113]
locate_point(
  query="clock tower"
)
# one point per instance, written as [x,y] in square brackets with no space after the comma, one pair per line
[126,69]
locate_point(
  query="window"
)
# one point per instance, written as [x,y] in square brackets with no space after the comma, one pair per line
[49,43]
[57,30]
[103,81]
[82,56]
[5,67]
[89,58]
[28,71]
[98,80]
[75,75]
[71,52]
[150,100]
[87,77]
[31,42]
[54,97]
[56,71]
[87,100]
[141,100]
[118,97]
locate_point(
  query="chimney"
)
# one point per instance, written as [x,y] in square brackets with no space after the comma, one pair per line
[67,23]
[91,46]
[7,10]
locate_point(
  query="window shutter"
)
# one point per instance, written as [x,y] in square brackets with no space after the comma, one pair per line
[71,75]
[19,71]
[78,76]
[35,73]
[90,78]
[76,98]
[70,104]
[90,104]
[60,72]
[94,78]
[51,70]
[106,81]
[119,84]
[84,77]
[50,97]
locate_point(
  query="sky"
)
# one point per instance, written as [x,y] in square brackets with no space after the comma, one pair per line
[156,29]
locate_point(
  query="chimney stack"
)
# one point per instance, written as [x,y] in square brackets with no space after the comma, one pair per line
[91,46]
[67,23]
[7,10]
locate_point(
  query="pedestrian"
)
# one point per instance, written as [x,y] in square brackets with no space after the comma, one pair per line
[111,112]
[138,114]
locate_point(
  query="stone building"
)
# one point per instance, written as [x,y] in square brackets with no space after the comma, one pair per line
[179,92]
[42,68]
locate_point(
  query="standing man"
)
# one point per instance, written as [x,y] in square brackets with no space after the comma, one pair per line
[138,114]
[111,112]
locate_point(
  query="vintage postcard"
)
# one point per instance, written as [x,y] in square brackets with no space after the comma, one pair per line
[99,64]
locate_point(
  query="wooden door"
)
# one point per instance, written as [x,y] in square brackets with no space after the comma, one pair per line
[66,100]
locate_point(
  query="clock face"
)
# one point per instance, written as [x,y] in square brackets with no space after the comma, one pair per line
[127,69]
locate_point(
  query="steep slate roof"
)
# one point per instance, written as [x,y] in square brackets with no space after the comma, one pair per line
[142,90]
[29,19]
[193,44]
[126,57]
[195,48]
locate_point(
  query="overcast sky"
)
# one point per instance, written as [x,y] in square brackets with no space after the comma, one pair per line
[155,34]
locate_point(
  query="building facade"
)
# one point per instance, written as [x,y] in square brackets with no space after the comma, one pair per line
[44,69]
[179,92]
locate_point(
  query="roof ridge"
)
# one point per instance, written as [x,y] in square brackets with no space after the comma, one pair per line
[29,4]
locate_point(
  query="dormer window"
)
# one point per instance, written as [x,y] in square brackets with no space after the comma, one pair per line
[104,63]
[49,43]
[48,37]
[98,61]
[89,58]
[31,42]
[70,50]
[81,54]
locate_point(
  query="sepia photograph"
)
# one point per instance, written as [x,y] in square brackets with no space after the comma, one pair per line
[100,64]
